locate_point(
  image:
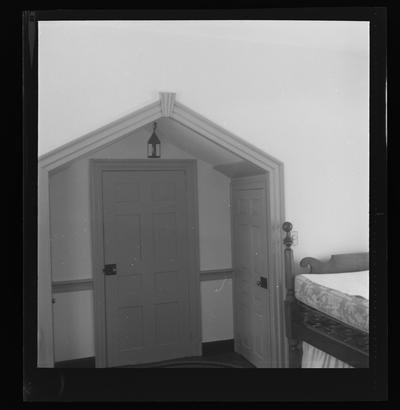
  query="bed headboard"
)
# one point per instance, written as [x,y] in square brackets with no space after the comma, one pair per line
[346,262]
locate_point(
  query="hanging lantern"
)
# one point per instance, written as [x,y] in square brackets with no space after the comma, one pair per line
[154,145]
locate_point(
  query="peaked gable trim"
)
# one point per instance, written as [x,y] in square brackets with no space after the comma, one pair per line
[166,106]
[222,137]
[101,137]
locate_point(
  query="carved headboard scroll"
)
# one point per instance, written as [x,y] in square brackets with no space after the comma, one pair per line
[346,262]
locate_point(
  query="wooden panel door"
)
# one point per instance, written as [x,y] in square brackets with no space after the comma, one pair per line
[145,236]
[249,263]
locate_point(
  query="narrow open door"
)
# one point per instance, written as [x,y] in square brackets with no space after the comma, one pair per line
[250,279]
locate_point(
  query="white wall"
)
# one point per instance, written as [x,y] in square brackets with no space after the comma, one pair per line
[297,90]
[217,310]
[73,325]
[71,246]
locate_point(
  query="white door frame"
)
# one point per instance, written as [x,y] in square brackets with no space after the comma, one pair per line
[166,106]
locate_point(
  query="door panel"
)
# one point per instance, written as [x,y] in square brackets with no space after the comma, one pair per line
[249,260]
[145,235]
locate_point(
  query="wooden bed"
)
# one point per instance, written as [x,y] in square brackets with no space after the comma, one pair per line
[305,324]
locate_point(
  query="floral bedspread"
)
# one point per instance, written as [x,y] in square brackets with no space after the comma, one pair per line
[350,309]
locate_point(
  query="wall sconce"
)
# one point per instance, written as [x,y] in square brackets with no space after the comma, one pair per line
[154,145]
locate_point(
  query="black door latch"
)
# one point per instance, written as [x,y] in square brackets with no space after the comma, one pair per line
[263,283]
[110,269]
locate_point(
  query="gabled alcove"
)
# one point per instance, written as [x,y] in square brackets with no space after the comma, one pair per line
[200,138]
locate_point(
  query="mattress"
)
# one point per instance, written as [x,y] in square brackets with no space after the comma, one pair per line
[343,296]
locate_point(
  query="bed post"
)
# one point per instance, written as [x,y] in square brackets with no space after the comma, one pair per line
[294,344]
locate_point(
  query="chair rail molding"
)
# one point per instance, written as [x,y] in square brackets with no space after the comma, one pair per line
[75,285]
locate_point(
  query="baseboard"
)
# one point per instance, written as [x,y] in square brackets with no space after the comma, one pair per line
[208,349]
[86,362]
[218,347]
